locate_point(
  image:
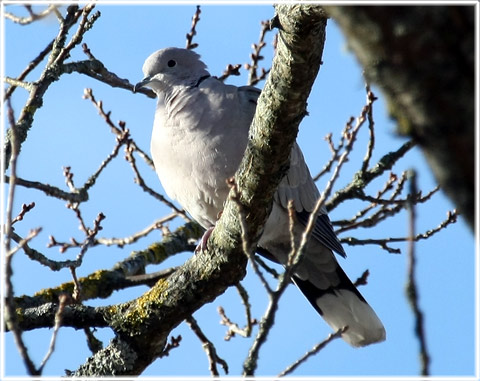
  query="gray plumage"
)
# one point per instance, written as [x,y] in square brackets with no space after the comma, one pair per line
[199,136]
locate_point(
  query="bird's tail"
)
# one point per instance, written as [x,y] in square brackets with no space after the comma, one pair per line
[342,306]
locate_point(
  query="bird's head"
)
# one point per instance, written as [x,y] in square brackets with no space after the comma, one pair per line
[171,67]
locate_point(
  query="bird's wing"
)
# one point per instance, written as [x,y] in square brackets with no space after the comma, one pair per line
[298,186]
[249,94]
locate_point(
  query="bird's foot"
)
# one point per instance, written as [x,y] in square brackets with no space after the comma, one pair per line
[202,246]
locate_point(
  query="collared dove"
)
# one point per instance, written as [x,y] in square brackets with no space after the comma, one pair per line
[200,133]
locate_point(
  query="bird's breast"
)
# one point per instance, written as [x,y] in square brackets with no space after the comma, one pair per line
[193,165]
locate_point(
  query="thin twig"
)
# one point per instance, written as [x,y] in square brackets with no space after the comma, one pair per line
[371,141]
[97,70]
[248,309]
[387,208]
[123,138]
[85,24]
[77,289]
[253,77]
[51,73]
[14,82]
[411,287]
[233,328]
[39,257]
[121,242]
[193,31]
[174,343]
[317,348]
[68,174]
[88,52]
[351,137]
[230,70]
[268,318]
[88,242]
[362,179]
[210,350]
[119,130]
[383,242]
[266,267]
[51,190]
[32,65]
[63,300]
[25,209]
[362,279]
[335,153]
[11,316]
[362,212]
[291,229]
[22,243]
[141,182]
[32,16]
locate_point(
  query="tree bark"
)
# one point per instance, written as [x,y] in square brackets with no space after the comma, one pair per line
[422,57]
[143,325]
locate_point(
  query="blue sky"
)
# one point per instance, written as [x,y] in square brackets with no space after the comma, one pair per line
[68,131]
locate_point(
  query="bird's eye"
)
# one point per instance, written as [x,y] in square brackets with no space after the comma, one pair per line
[171,63]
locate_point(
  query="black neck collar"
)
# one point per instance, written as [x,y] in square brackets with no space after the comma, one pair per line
[201,79]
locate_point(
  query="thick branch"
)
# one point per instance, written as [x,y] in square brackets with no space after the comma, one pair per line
[144,324]
[102,283]
[427,75]
[76,315]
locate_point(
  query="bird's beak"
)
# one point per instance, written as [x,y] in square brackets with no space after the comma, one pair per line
[144,82]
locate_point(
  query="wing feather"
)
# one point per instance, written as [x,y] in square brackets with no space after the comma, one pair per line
[299,187]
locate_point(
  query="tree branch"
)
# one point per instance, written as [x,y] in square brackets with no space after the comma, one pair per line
[209,348]
[411,286]
[143,325]
[317,348]
[32,15]
[427,76]
[51,73]
[102,283]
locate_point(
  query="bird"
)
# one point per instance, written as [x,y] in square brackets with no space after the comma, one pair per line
[200,132]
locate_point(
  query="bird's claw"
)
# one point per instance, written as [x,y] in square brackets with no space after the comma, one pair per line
[202,246]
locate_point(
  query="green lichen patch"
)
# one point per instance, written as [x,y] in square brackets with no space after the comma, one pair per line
[135,317]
